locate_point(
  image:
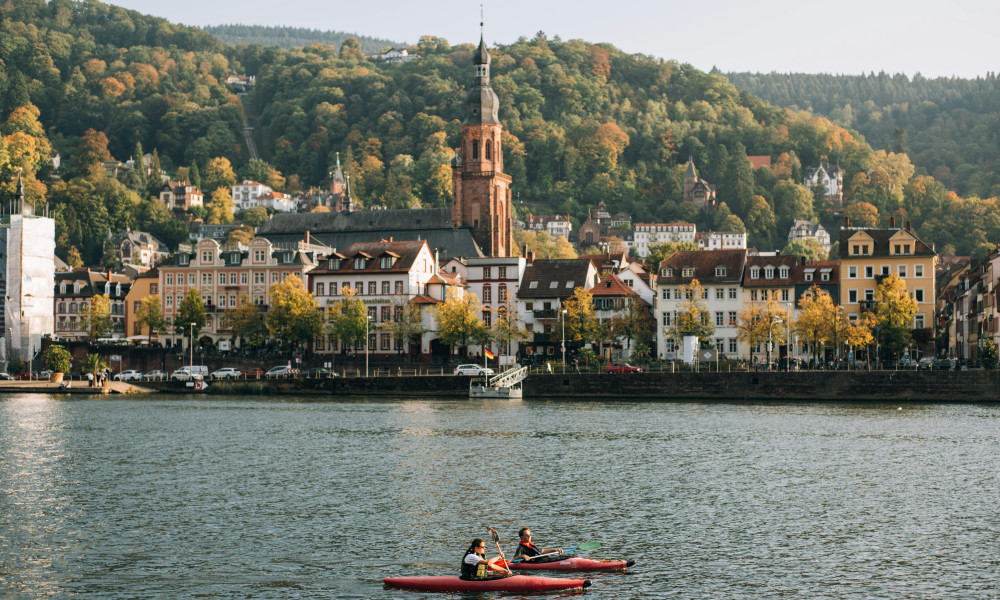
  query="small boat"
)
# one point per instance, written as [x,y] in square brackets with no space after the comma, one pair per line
[575,563]
[512,583]
[506,385]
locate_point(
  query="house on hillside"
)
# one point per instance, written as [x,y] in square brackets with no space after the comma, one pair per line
[830,177]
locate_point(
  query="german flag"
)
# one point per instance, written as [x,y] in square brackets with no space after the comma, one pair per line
[488,354]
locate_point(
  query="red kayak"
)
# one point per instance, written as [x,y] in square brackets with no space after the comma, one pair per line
[575,563]
[513,583]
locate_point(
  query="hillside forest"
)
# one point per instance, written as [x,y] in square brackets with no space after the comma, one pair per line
[583,123]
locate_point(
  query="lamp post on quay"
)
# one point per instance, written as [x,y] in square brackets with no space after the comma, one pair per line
[368,320]
[563,319]
[788,340]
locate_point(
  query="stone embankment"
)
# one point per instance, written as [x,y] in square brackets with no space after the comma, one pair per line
[890,386]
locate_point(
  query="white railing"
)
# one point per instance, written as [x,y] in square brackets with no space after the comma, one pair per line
[508,378]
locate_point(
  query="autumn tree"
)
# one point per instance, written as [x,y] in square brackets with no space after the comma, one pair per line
[807,248]
[254,216]
[895,313]
[660,251]
[817,319]
[98,317]
[406,325]
[293,316]
[91,152]
[347,319]
[220,210]
[219,173]
[862,214]
[763,323]
[458,321]
[693,318]
[508,328]
[580,317]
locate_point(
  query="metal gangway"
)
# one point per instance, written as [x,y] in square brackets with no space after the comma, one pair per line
[508,378]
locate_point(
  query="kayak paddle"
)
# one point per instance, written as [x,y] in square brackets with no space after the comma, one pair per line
[496,540]
[583,546]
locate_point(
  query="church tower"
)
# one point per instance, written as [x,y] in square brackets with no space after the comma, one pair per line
[480,189]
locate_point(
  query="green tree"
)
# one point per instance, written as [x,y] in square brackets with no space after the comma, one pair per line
[459,323]
[194,175]
[139,183]
[94,364]
[807,248]
[57,359]
[508,329]
[661,251]
[246,323]
[348,319]
[989,355]
[351,50]
[191,316]
[760,222]
[634,323]
[150,315]
[254,217]
[154,181]
[293,316]
[406,325]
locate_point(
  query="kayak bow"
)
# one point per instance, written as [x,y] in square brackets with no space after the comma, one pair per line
[575,563]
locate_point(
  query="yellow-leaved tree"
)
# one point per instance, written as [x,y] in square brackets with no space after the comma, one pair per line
[459,322]
[895,315]
[293,316]
[763,323]
[693,317]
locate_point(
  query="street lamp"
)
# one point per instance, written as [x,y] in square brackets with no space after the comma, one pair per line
[367,348]
[191,347]
[836,335]
[564,340]
[788,341]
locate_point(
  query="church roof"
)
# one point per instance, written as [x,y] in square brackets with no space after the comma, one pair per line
[341,229]
[482,55]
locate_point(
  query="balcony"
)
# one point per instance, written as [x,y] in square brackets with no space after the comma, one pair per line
[545,314]
[868,306]
[542,338]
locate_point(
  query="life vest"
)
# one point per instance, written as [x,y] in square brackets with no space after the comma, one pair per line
[477,571]
[527,549]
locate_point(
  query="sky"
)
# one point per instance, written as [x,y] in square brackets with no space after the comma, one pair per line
[933,38]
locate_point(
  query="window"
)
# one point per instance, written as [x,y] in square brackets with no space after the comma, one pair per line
[732,319]
[232,300]
[502,272]
[153,288]
[720,293]
[852,272]
[755,273]
[869,271]
[190,278]
[783,272]
[487,318]
[732,345]
[359,263]
[274,277]
[359,287]
[182,259]
[372,313]
[170,281]
[918,321]
[869,295]
[321,289]
[399,287]
[732,293]
[901,269]
[206,278]
[720,271]
[372,288]
[688,272]
[222,279]
[825,276]
[487,272]
[719,318]
[387,261]
[169,301]
[855,250]
[918,270]
[385,313]
[258,256]
[918,295]
[502,293]
[385,342]
[784,295]
[385,287]
[666,319]
[258,278]
[487,295]
[232,279]
[808,276]
[769,272]
[243,278]
[334,264]
[852,296]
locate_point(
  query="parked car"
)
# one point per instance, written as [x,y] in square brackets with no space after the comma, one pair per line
[156,375]
[129,375]
[227,373]
[925,364]
[190,373]
[944,364]
[281,371]
[316,373]
[621,368]
[254,373]
[474,370]
[5,377]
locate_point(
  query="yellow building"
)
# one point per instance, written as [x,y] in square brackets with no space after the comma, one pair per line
[145,284]
[868,254]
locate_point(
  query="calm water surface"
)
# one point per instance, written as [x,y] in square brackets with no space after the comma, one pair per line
[191,498]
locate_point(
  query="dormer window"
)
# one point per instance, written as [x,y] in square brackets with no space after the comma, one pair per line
[783,272]
[206,258]
[359,263]
[755,273]
[387,262]
[107,288]
[334,264]
[118,290]
[667,272]
[687,272]
[62,288]
[183,259]
[721,271]
[76,287]
[808,276]
[769,272]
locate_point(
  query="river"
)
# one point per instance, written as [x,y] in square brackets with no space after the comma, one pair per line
[188,497]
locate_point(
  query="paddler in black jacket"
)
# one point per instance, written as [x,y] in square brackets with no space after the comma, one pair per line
[474,563]
[528,550]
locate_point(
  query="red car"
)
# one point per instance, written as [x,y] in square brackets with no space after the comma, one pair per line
[254,373]
[621,368]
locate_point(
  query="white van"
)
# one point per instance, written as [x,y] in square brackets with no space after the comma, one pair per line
[190,373]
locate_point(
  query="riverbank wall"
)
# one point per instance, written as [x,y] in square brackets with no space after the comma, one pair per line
[891,386]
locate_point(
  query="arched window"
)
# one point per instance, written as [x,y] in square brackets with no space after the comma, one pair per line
[502,293]
[475,149]
[489,151]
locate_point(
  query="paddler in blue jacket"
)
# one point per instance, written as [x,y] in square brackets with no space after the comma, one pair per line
[528,550]
[474,563]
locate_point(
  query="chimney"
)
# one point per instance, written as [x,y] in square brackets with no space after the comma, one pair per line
[908,226]
[437,265]
[892,222]
[307,236]
[847,222]
[529,256]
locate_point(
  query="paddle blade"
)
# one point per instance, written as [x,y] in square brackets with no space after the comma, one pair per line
[588,546]
[493,534]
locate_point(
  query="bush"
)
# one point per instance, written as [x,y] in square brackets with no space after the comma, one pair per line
[57,359]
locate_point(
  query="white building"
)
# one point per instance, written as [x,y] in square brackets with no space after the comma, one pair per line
[831,177]
[495,281]
[557,225]
[28,243]
[250,194]
[647,234]
[802,229]
[721,240]
[720,274]
[545,286]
